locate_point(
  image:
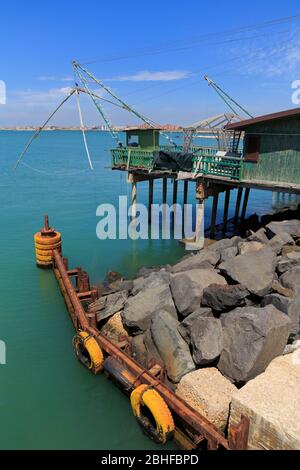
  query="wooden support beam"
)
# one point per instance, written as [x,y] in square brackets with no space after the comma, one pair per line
[245,203]
[214,215]
[226,208]
[150,201]
[238,205]
[165,190]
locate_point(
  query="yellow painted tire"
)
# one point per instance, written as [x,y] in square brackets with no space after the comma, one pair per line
[45,264]
[42,240]
[44,259]
[88,351]
[152,413]
[39,252]
[41,248]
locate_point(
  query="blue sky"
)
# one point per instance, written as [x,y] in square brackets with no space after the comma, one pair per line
[154,54]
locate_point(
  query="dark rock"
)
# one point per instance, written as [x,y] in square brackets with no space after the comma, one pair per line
[253,270]
[292,227]
[222,298]
[290,307]
[252,338]
[186,325]
[172,348]
[205,259]
[112,276]
[259,236]
[285,263]
[228,253]
[187,288]
[206,340]
[279,241]
[139,351]
[291,279]
[107,306]
[138,310]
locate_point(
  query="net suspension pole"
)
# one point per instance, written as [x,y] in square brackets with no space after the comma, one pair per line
[83,130]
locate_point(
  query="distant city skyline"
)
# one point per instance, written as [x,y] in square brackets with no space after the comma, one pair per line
[155,58]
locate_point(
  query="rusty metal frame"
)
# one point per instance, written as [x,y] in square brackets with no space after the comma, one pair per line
[187,418]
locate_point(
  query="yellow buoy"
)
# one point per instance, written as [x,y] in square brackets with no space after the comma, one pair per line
[45,242]
[152,413]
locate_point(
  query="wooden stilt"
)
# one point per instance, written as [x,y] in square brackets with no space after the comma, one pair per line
[214,215]
[246,197]
[151,181]
[238,205]
[165,189]
[226,208]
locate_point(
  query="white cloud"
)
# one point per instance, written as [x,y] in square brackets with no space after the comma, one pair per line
[146,75]
[53,78]
[35,98]
[279,59]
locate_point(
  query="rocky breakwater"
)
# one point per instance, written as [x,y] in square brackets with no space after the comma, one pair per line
[216,317]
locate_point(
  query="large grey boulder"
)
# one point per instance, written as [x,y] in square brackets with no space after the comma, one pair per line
[259,236]
[252,337]
[228,253]
[204,259]
[108,305]
[280,240]
[249,247]
[290,307]
[186,326]
[187,288]
[254,270]
[138,310]
[153,279]
[292,227]
[223,298]
[153,355]
[172,348]
[139,351]
[225,243]
[291,279]
[206,340]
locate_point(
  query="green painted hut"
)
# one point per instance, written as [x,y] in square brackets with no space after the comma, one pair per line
[271,150]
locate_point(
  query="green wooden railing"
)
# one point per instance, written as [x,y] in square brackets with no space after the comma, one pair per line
[226,167]
[206,161]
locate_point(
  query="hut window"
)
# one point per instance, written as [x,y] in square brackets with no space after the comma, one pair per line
[133,141]
[252,148]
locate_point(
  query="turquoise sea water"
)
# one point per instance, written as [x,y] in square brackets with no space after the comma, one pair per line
[47,400]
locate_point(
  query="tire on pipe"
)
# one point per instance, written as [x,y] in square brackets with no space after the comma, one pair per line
[152,413]
[88,352]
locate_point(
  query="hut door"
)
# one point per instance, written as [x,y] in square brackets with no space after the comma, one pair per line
[252,148]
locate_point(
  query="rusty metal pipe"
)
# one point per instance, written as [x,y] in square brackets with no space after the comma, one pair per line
[79,310]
